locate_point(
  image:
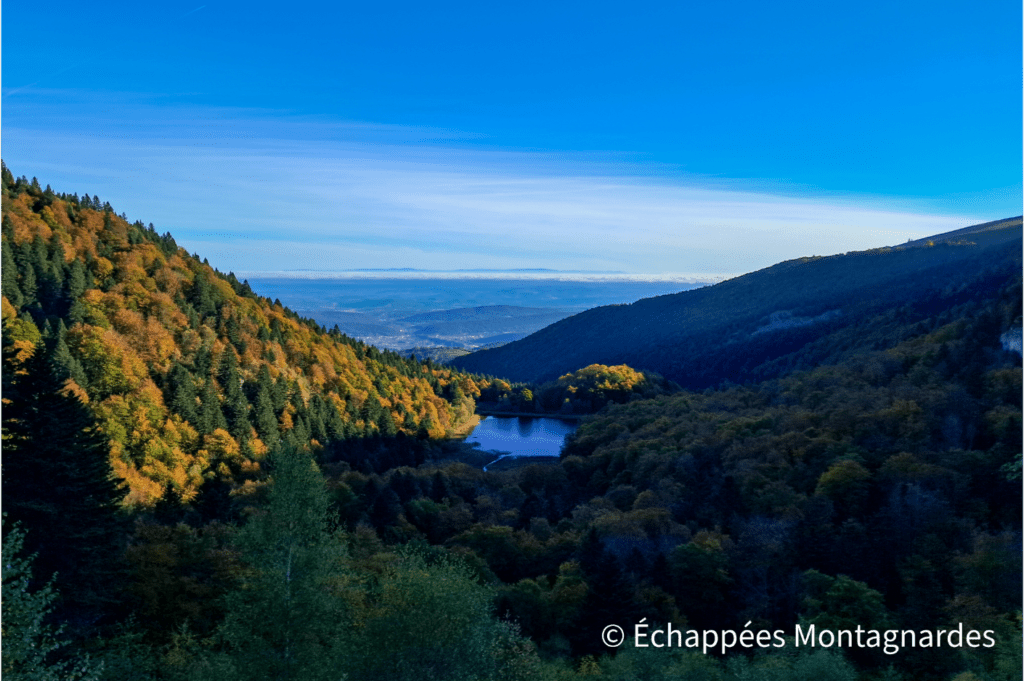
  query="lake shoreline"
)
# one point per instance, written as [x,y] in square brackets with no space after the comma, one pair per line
[531,415]
[516,439]
[465,429]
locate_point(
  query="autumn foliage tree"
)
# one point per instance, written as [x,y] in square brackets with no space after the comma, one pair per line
[166,351]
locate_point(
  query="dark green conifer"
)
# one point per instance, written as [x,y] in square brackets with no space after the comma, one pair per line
[77,280]
[227,373]
[371,410]
[316,421]
[386,424]
[385,509]
[9,272]
[26,269]
[301,430]
[263,418]
[203,360]
[58,483]
[182,394]
[235,406]
[65,365]
[201,295]
[280,394]
[336,429]
[57,260]
[210,416]
[39,254]
[233,332]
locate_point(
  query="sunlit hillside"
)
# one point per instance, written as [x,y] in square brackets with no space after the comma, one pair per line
[191,375]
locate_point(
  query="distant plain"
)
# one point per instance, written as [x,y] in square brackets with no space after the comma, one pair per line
[402,312]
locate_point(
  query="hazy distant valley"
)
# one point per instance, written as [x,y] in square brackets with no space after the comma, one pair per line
[468,328]
[469,313]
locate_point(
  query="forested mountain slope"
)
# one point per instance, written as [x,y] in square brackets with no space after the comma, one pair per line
[884,489]
[795,315]
[191,376]
[287,516]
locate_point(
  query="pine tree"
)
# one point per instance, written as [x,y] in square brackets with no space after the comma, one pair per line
[336,427]
[9,272]
[301,430]
[77,280]
[203,361]
[39,259]
[236,412]
[58,483]
[264,419]
[281,394]
[170,509]
[314,412]
[6,176]
[201,296]
[57,261]
[64,363]
[386,423]
[23,255]
[182,394]
[236,408]
[233,332]
[227,372]
[214,502]
[210,417]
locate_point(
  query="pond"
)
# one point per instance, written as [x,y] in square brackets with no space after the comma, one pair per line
[515,436]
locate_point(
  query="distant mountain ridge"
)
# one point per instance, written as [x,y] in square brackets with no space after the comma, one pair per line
[997,226]
[483,312]
[734,330]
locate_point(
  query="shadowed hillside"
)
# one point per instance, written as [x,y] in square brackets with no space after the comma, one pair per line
[795,315]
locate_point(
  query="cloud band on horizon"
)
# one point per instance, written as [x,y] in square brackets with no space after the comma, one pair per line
[266,194]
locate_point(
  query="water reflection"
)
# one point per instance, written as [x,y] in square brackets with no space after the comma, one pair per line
[521,435]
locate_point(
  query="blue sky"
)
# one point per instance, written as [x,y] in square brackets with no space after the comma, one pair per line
[697,138]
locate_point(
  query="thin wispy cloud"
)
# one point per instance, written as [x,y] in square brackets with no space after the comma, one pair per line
[259,194]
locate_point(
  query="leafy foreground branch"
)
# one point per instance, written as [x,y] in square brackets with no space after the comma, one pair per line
[31,646]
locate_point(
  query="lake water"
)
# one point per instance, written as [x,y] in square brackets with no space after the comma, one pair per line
[516,436]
